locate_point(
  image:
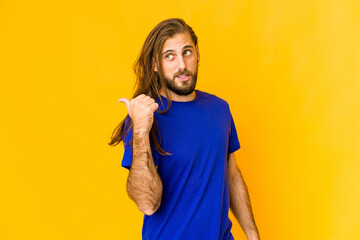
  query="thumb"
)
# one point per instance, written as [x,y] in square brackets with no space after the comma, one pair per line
[127,104]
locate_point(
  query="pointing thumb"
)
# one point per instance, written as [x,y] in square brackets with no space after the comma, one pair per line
[127,104]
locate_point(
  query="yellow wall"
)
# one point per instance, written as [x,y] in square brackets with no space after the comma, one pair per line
[290,71]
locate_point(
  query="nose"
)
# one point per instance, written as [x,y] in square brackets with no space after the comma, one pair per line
[181,63]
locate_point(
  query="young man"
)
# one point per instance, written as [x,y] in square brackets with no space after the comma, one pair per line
[179,145]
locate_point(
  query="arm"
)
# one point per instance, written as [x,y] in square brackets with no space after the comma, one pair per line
[239,200]
[143,184]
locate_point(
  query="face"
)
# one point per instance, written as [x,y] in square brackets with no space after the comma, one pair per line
[179,60]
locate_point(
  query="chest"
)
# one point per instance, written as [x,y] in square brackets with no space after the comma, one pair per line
[189,134]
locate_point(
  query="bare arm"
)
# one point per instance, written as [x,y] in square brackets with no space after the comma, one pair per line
[143,184]
[239,200]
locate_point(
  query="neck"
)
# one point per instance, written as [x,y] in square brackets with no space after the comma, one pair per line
[179,98]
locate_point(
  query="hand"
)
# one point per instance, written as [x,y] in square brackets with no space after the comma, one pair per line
[141,111]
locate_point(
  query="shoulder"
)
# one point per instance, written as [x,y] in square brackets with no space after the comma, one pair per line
[212,98]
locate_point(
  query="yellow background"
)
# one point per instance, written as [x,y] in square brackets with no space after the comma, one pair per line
[290,71]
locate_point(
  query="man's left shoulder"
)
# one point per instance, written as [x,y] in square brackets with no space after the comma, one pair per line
[213,98]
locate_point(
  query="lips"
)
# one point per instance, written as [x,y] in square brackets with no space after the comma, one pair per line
[183,77]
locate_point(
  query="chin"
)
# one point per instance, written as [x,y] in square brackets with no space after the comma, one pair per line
[182,93]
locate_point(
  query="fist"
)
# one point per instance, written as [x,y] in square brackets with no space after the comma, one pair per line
[141,111]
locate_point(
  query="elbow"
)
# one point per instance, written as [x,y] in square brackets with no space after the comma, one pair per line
[147,199]
[148,204]
[150,207]
[149,210]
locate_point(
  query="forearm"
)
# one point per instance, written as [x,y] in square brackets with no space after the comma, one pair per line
[241,206]
[144,185]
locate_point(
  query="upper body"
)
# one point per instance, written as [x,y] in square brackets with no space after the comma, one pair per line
[195,201]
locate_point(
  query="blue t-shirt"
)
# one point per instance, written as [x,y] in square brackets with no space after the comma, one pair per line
[195,202]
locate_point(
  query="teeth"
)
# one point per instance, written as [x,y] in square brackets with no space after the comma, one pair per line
[182,76]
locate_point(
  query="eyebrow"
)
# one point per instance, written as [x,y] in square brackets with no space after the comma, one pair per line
[172,50]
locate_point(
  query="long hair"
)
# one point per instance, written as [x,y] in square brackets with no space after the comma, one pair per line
[148,81]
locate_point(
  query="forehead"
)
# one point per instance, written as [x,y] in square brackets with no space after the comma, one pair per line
[178,42]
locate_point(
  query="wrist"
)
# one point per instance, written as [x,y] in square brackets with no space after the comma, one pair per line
[140,137]
[141,141]
[140,132]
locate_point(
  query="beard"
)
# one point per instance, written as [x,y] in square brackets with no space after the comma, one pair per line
[182,88]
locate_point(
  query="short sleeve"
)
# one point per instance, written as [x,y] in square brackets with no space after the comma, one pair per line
[127,157]
[234,143]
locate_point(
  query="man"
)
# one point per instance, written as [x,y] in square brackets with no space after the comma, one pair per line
[179,145]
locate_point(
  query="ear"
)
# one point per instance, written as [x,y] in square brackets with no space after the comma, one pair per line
[198,53]
[154,64]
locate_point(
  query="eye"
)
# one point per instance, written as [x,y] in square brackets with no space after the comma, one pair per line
[187,52]
[169,56]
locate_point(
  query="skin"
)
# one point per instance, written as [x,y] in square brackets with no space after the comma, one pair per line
[179,55]
[144,185]
[239,200]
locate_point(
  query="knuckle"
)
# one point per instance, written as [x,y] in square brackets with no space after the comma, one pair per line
[140,96]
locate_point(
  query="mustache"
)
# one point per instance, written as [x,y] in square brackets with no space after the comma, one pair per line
[185,72]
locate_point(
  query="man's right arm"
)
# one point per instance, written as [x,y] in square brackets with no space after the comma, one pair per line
[143,185]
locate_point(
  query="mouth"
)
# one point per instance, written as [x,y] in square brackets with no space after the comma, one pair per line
[183,78]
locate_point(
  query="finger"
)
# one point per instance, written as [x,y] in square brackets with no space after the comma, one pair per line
[149,101]
[127,104]
[144,98]
[140,97]
[154,107]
